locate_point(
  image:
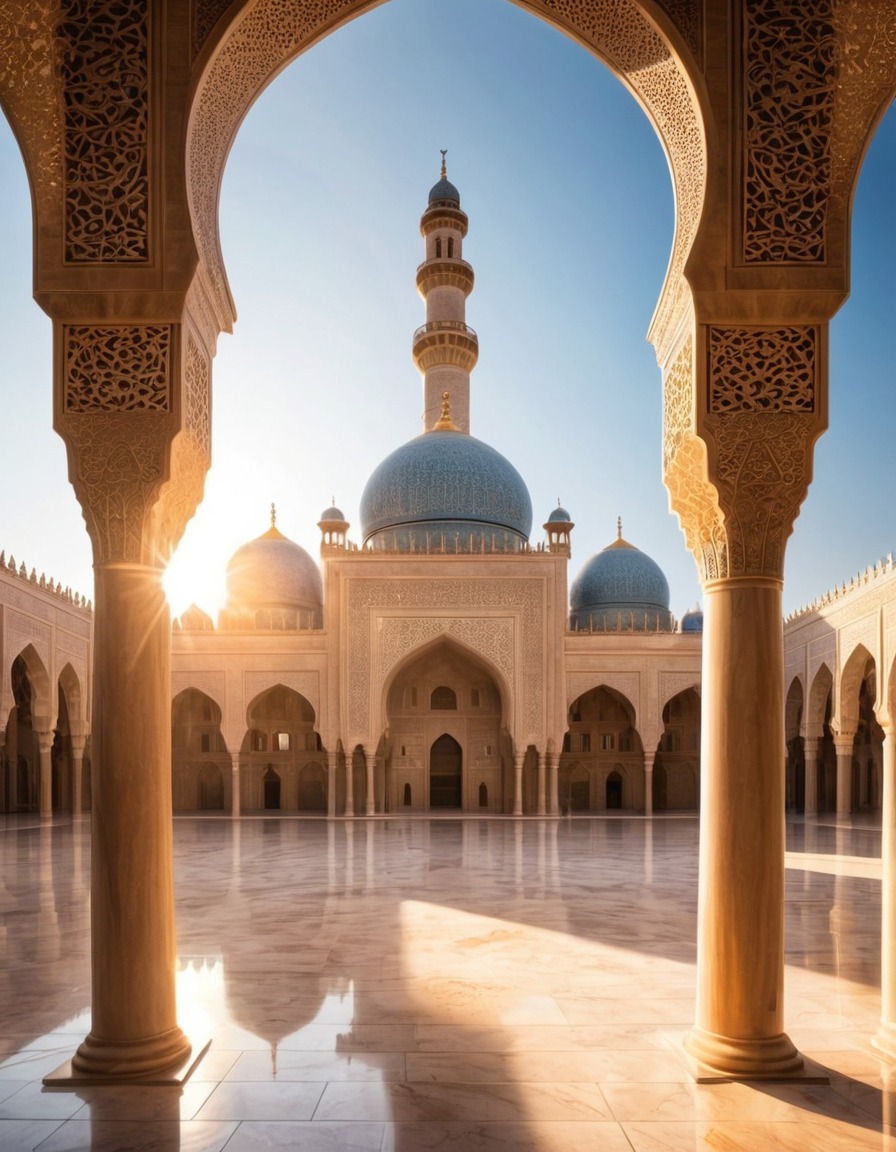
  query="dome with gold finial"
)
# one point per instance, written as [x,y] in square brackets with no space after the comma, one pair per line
[620,589]
[274,575]
[446,491]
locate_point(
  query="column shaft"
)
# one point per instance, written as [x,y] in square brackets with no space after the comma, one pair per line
[134,1024]
[518,758]
[649,758]
[740,928]
[235,805]
[332,769]
[370,798]
[349,783]
[542,783]
[553,777]
[886,1033]
[844,778]
[45,769]
[811,750]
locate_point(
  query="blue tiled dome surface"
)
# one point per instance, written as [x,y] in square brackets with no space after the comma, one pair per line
[444,190]
[623,584]
[446,480]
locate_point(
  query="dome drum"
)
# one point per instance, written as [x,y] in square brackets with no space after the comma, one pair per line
[441,273]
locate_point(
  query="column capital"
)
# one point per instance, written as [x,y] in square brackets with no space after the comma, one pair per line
[743,407]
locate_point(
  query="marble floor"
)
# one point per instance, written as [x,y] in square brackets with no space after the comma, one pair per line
[406,985]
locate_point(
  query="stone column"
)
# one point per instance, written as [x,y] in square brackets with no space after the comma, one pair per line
[332,769]
[370,779]
[134,1026]
[811,749]
[885,1039]
[45,773]
[350,784]
[235,799]
[78,743]
[740,930]
[745,400]
[844,746]
[553,783]
[542,802]
[649,758]
[518,759]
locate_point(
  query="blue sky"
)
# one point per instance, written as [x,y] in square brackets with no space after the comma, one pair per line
[570,206]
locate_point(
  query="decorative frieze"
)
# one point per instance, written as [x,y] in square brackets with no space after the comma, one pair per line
[117,368]
[762,369]
[102,51]
[790,76]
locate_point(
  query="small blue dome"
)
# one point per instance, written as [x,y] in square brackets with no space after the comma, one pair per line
[332,513]
[692,621]
[446,486]
[444,190]
[620,588]
[560,516]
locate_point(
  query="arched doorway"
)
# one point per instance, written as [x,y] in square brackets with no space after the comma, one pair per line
[445,691]
[445,773]
[211,788]
[795,775]
[602,739]
[271,782]
[614,790]
[313,788]
[678,748]
[280,735]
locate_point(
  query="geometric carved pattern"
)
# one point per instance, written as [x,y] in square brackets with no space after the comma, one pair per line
[120,368]
[686,16]
[762,369]
[197,386]
[678,402]
[206,14]
[790,77]
[102,54]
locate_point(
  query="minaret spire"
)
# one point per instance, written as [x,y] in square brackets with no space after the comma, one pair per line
[445,347]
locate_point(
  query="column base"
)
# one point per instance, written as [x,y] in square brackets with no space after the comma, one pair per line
[712,1058]
[884,1040]
[165,1059]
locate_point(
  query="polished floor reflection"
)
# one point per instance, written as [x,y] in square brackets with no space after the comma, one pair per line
[418,984]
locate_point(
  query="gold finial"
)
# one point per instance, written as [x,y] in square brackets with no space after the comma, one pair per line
[444,422]
[444,173]
[618,527]
[559,505]
[273,515]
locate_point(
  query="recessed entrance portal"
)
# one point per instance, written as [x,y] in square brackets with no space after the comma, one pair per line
[271,788]
[614,790]
[445,772]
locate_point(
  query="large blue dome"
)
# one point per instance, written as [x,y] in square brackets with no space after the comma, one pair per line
[446,490]
[620,588]
[273,574]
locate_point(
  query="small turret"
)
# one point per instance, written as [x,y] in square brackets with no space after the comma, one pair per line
[558,527]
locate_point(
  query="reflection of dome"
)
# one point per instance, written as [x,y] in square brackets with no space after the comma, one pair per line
[273,573]
[692,621]
[446,489]
[620,588]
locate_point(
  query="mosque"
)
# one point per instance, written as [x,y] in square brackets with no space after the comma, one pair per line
[441,664]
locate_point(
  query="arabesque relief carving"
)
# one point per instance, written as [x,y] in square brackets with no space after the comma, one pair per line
[762,369]
[102,49]
[790,65]
[117,368]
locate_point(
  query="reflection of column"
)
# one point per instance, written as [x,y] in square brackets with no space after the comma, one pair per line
[886,1033]
[78,743]
[649,758]
[332,769]
[553,788]
[541,785]
[45,749]
[518,758]
[811,749]
[843,745]
[740,928]
[350,784]
[235,807]
[370,798]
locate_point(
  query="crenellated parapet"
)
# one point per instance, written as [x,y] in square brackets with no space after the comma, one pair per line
[862,580]
[64,592]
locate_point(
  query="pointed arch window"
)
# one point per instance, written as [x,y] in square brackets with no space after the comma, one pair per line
[443,699]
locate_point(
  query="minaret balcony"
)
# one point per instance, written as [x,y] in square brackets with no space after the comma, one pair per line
[442,342]
[442,273]
[443,215]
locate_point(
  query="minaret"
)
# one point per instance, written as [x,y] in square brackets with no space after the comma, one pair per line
[445,348]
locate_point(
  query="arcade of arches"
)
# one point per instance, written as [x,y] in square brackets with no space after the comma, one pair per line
[765,114]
